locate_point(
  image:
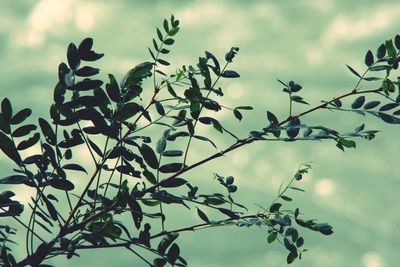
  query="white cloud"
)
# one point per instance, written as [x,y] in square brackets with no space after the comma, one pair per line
[324,188]
[372,259]
[53,17]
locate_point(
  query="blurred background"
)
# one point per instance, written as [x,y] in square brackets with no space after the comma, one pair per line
[306,41]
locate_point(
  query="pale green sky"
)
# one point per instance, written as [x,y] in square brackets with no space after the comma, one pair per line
[306,41]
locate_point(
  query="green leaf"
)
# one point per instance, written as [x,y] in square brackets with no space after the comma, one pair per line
[8,147]
[174,182]
[173,253]
[230,74]
[14,179]
[47,131]
[6,110]
[380,53]
[169,41]
[173,31]
[369,58]
[21,116]
[159,34]
[165,25]
[291,257]
[397,41]
[149,156]
[390,48]
[202,215]
[23,130]
[347,143]
[61,184]
[171,167]
[353,71]
[358,102]
[172,153]
[372,104]
[286,198]
[272,237]
[74,167]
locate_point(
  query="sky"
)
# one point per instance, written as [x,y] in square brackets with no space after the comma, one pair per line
[309,42]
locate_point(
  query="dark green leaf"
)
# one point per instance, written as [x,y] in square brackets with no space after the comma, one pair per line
[72,56]
[237,114]
[172,153]
[291,257]
[275,207]
[372,104]
[163,62]
[300,242]
[397,41]
[23,130]
[169,41]
[74,167]
[202,215]
[87,71]
[171,167]
[173,31]
[272,237]
[127,111]
[14,179]
[6,110]
[47,131]
[165,25]
[380,53]
[173,253]
[61,184]
[8,147]
[149,156]
[358,102]
[388,107]
[230,74]
[174,182]
[298,99]
[159,108]
[87,84]
[390,48]
[231,54]
[112,88]
[369,58]
[21,116]
[229,213]
[29,143]
[387,118]
[159,34]
[353,71]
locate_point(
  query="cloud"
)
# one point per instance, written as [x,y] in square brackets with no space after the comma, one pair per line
[50,17]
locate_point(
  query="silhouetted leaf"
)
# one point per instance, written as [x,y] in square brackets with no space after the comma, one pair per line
[6,110]
[61,184]
[388,106]
[72,56]
[173,253]
[127,111]
[87,84]
[23,130]
[14,179]
[229,213]
[74,167]
[87,71]
[202,215]
[21,116]
[387,118]
[353,71]
[230,74]
[149,156]
[172,153]
[8,147]
[231,54]
[369,58]
[174,182]
[380,53]
[47,131]
[29,142]
[203,138]
[294,87]
[358,102]
[112,88]
[372,104]
[171,167]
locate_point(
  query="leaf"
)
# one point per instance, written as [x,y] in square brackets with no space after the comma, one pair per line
[174,182]
[166,242]
[388,106]
[127,111]
[202,215]
[6,110]
[173,31]
[230,74]
[291,257]
[298,99]
[347,143]
[380,53]
[172,153]
[272,119]
[397,41]
[286,198]
[358,102]
[353,71]
[229,213]
[72,56]
[87,71]
[149,156]
[74,167]
[293,128]
[169,41]
[14,179]
[29,142]
[275,207]
[8,147]
[159,108]
[23,130]
[136,212]
[294,87]
[87,84]
[237,114]
[50,207]
[171,167]
[159,34]
[203,138]
[272,237]
[165,25]
[61,184]
[173,253]
[163,62]
[369,58]
[387,118]
[21,116]
[372,104]
[85,46]
[47,131]
[231,54]
[390,48]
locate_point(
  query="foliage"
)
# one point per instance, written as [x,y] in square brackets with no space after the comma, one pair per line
[138,172]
